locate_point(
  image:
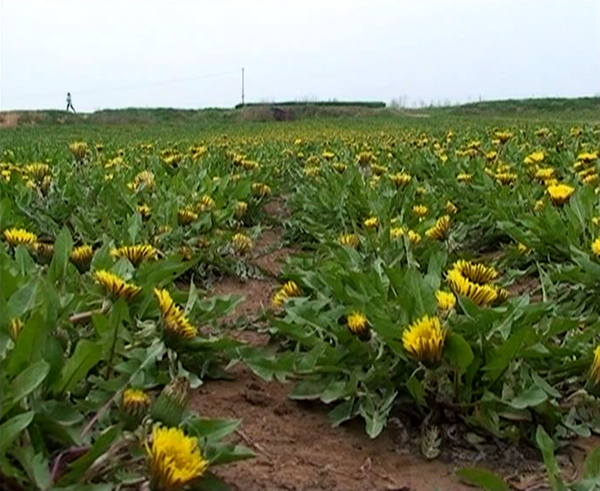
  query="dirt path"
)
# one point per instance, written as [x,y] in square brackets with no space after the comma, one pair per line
[296,447]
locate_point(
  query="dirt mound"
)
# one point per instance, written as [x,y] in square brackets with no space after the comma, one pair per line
[9,119]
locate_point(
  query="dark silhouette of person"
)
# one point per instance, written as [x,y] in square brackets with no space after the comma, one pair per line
[69,103]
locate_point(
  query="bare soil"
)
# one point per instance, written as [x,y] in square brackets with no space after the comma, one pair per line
[9,119]
[295,445]
[526,285]
[297,448]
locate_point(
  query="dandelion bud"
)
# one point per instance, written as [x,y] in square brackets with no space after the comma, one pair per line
[14,327]
[81,257]
[134,406]
[171,403]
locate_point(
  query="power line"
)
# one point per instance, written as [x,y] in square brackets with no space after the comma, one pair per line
[124,87]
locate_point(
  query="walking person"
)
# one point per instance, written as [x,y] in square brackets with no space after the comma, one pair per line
[69,103]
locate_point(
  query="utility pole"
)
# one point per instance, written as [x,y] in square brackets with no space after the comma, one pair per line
[242,86]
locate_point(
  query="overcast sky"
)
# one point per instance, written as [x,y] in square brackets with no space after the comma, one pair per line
[180,53]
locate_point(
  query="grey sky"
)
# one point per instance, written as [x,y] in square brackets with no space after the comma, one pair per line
[180,53]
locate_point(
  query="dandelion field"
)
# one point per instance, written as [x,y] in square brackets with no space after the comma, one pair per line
[444,274]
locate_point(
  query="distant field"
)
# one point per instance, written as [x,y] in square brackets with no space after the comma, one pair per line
[392,294]
[586,109]
[583,108]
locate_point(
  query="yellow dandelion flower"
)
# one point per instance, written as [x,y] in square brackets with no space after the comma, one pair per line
[358,323]
[142,179]
[135,404]
[401,179]
[587,156]
[79,150]
[501,294]
[480,294]
[172,160]
[349,240]
[176,325]
[560,193]
[288,290]
[241,209]
[378,170]
[523,249]
[396,233]
[371,223]
[591,179]
[136,253]
[261,190]
[414,237]
[206,203]
[440,230]
[339,167]
[37,170]
[535,158]
[506,178]
[491,155]
[424,339]
[445,300]
[365,158]
[241,242]
[81,257]
[475,272]
[503,136]
[451,208]
[134,397]
[114,162]
[145,211]
[596,247]
[186,216]
[595,367]
[544,173]
[16,236]
[175,459]
[464,177]
[116,285]
[420,210]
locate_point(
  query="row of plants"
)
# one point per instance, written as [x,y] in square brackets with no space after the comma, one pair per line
[445,276]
